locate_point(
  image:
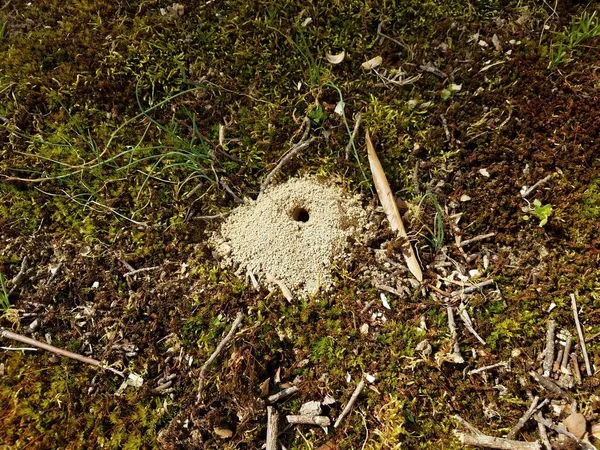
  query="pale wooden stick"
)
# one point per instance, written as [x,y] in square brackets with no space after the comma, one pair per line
[222,344]
[19,278]
[59,351]
[543,434]
[566,353]
[476,239]
[559,429]
[272,428]
[454,336]
[483,369]
[467,425]
[473,288]
[143,269]
[350,404]
[282,394]
[322,421]
[549,349]
[464,315]
[551,385]
[586,359]
[529,190]
[523,420]
[480,440]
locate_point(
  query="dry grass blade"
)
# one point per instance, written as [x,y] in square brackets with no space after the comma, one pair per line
[391,209]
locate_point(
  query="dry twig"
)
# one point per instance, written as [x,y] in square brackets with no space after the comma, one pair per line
[549,349]
[480,440]
[523,420]
[59,351]
[322,421]
[476,239]
[559,429]
[350,404]
[350,145]
[282,394]
[586,359]
[222,344]
[272,428]
[458,359]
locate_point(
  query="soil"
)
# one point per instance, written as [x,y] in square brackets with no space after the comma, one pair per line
[112,151]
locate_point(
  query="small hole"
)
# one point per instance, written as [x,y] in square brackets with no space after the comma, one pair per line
[300,215]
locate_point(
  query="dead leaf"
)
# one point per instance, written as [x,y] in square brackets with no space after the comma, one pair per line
[386,197]
[336,59]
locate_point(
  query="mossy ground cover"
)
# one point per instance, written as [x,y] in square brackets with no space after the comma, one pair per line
[111,147]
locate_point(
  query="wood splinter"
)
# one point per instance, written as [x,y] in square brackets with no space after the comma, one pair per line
[282,394]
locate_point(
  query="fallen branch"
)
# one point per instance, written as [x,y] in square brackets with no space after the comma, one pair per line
[549,349]
[464,315]
[351,403]
[523,420]
[544,436]
[586,359]
[272,428]
[59,351]
[282,394]
[222,344]
[481,440]
[322,421]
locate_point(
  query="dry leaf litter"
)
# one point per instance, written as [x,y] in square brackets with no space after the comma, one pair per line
[293,234]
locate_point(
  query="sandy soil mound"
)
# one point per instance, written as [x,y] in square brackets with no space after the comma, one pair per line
[292,233]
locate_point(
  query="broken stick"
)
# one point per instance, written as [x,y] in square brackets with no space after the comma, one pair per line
[59,351]
[549,349]
[586,359]
[351,403]
[523,420]
[222,344]
[481,440]
[272,428]
[322,421]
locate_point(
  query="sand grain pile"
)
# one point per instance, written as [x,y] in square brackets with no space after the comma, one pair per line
[292,233]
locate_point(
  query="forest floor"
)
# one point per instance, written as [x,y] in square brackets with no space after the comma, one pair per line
[123,123]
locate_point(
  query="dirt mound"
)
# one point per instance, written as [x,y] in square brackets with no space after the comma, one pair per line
[292,234]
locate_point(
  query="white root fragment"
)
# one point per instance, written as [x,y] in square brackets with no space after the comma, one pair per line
[350,404]
[549,349]
[272,428]
[282,394]
[322,421]
[480,440]
[59,351]
[222,344]
[523,420]
[586,359]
